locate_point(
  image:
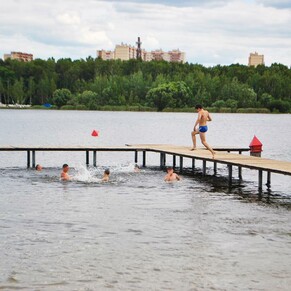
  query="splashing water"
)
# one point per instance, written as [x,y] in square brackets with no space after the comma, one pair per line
[88,175]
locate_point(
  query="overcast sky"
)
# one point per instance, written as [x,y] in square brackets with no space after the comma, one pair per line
[210,32]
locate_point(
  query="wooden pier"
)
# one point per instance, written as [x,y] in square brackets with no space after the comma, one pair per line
[229,156]
[224,156]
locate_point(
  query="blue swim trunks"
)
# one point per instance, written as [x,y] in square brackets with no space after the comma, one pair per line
[203,128]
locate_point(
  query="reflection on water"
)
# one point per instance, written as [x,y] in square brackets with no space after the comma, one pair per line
[137,232]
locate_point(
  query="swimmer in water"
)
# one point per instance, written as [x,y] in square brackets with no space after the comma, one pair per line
[38,167]
[64,175]
[171,176]
[203,117]
[106,174]
[136,168]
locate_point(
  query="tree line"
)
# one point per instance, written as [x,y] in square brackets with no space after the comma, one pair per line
[157,85]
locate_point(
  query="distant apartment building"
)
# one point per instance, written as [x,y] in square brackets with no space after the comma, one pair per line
[255,59]
[105,55]
[19,56]
[126,52]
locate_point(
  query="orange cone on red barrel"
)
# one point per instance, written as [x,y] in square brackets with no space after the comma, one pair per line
[256,147]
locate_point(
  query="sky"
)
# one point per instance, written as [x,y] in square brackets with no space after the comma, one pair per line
[210,32]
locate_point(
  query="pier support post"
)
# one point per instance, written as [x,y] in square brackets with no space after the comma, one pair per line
[28,159]
[174,161]
[94,159]
[260,180]
[33,159]
[204,167]
[229,175]
[193,165]
[215,168]
[181,164]
[136,157]
[144,158]
[268,179]
[240,173]
[87,158]
[162,160]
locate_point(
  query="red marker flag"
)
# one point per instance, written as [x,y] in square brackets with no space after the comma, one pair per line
[95,133]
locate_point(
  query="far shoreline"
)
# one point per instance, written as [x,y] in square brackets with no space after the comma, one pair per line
[145,109]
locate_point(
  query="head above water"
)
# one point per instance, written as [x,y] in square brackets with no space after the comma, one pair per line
[107,172]
[65,167]
[198,106]
[170,169]
[38,167]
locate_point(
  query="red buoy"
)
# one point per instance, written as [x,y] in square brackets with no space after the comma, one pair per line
[256,147]
[95,133]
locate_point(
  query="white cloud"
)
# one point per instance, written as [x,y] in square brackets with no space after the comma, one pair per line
[69,18]
[217,32]
[151,42]
[276,3]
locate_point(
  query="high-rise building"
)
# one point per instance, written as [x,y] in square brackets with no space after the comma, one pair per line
[19,56]
[255,59]
[126,52]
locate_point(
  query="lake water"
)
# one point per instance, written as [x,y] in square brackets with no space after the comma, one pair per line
[137,232]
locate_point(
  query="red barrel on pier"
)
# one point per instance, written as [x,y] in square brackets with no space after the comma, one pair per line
[256,147]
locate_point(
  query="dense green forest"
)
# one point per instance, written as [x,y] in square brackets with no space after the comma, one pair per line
[134,85]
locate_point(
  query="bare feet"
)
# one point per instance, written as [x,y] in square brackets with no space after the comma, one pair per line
[193,149]
[213,155]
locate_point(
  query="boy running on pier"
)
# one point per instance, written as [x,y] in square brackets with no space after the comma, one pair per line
[203,117]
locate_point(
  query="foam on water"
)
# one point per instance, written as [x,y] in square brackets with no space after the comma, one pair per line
[94,175]
[88,175]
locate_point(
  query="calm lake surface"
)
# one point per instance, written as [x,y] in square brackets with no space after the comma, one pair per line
[137,232]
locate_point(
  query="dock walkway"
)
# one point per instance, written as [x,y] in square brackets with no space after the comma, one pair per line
[222,156]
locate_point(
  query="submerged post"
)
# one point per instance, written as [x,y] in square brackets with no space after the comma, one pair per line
[28,159]
[33,159]
[215,168]
[162,160]
[181,164]
[136,157]
[269,179]
[144,158]
[174,161]
[229,175]
[204,167]
[94,158]
[260,180]
[240,173]
[193,165]
[87,158]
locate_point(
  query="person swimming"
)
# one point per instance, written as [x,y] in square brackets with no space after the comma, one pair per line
[171,176]
[38,167]
[64,175]
[106,175]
